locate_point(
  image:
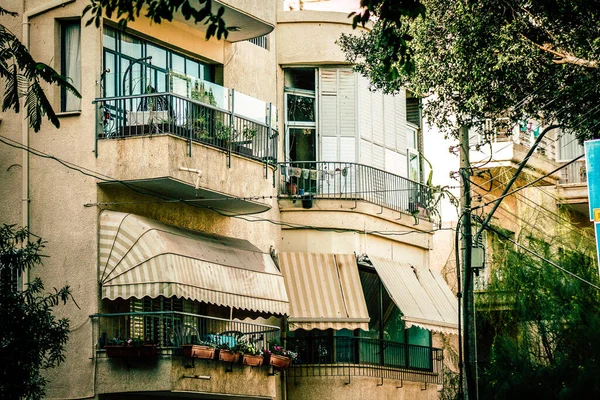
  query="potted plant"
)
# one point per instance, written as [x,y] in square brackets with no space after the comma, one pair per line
[130,348]
[278,356]
[226,353]
[205,350]
[252,355]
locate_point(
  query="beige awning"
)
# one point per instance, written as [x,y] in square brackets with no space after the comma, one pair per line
[141,257]
[324,291]
[422,295]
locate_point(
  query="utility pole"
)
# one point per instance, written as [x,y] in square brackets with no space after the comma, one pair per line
[467,272]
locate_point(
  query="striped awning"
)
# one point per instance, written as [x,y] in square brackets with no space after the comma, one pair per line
[141,257]
[422,295]
[324,291]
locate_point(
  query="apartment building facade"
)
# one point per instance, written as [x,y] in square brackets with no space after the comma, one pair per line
[246,190]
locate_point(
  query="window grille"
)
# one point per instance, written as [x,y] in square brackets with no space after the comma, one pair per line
[261,41]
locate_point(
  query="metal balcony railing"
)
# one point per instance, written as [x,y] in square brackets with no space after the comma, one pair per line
[169,113]
[354,356]
[574,173]
[170,330]
[352,181]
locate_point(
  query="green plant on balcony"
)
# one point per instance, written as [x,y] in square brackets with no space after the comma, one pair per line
[278,356]
[223,133]
[249,133]
[252,355]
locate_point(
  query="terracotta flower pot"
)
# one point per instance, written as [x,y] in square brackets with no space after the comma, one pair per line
[228,356]
[198,351]
[252,360]
[278,361]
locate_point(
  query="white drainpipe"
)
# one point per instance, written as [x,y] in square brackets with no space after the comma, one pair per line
[27,15]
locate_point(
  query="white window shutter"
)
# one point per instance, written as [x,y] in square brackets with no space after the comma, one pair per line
[347,102]
[347,149]
[329,148]
[366,152]
[377,118]
[364,101]
[389,121]
[378,157]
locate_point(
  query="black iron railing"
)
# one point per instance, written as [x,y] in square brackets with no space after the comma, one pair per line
[168,113]
[343,180]
[352,356]
[170,330]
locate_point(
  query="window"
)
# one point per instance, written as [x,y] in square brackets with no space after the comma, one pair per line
[300,112]
[71,63]
[261,41]
[413,110]
[122,50]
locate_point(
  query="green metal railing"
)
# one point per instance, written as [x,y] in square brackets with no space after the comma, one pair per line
[355,356]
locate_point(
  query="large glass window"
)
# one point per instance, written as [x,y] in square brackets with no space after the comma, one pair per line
[71,63]
[122,50]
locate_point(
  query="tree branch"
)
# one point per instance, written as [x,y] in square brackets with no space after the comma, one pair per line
[563,56]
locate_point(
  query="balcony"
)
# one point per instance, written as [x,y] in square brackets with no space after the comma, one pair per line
[572,188]
[507,148]
[165,371]
[354,356]
[351,181]
[152,141]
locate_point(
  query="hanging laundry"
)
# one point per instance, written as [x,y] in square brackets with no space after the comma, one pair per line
[305,174]
[314,174]
[295,172]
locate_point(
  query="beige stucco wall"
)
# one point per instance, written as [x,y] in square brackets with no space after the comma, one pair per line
[308,37]
[411,244]
[175,373]
[359,388]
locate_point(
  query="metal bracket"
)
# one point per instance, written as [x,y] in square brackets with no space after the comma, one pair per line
[424,388]
[381,211]
[401,384]
[230,367]
[347,383]
[380,384]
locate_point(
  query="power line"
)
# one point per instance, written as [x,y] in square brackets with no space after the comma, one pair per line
[530,183]
[166,199]
[552,263]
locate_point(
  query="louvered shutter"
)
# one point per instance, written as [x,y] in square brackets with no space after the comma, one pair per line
[338,114]
[364,104]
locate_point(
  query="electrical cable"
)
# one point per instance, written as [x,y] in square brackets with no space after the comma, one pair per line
[552,263]
[530,183]
[165,199]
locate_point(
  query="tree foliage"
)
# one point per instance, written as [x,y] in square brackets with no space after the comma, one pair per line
[486,59]
[545,325]
[24,77]
[31,337]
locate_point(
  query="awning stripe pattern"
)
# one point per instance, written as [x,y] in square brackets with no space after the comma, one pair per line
[142,257]
[422,296]
[324,291]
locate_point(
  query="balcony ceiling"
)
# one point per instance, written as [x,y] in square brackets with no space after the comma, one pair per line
[175,189]
[249,26]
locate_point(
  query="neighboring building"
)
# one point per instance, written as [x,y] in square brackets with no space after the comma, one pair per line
[542,216]
[178,193]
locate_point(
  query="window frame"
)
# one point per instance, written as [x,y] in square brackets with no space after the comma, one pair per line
[66,95]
